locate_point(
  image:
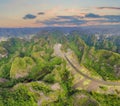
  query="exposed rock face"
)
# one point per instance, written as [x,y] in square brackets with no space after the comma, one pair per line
[117,70]
[56,86]
[3,52]
[83,100]
[2,80]
[2,56]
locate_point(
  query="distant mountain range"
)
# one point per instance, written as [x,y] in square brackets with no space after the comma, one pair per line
[12,32]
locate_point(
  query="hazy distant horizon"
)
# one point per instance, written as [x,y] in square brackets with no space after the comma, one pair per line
[113,25]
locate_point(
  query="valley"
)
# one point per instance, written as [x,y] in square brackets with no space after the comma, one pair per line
[59,52]
[52,69]
[73,64]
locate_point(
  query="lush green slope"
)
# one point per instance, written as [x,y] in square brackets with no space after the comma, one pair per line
[21,67]
[105,41]
[104,62]
[36,77]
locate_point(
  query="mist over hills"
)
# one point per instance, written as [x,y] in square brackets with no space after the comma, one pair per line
[101,30]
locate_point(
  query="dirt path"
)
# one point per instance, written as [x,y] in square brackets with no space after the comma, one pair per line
[95,80]
[58,52]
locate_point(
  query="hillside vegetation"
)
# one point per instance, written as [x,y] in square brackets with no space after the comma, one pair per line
[105,63]
[31,75]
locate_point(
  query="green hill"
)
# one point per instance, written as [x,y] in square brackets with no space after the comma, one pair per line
[32,75]
[21,67]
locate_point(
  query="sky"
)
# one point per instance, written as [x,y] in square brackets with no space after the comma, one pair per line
[45,13]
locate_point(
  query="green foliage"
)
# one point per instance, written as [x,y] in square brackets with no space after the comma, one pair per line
[21,66]
[66,83]
[39,86]
[21,96]
[3,50]
[110,43]
[49,78]
[104,88]
[83,100]
[5,70]
[32,64]
[106,100]
[12,45]
[43,67]
[55,61]
[101,61]
[78,45]
[40,70]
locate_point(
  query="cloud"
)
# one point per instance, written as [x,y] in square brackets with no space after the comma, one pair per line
[104,18]
[91,15]
[29,16]
[70,17]
[41,13]
[62,20]
[115,8]
[89,18]
[112,18]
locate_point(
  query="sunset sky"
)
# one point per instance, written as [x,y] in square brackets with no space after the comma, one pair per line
[42,13]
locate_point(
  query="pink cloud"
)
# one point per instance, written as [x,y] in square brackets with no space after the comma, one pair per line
[115,8]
